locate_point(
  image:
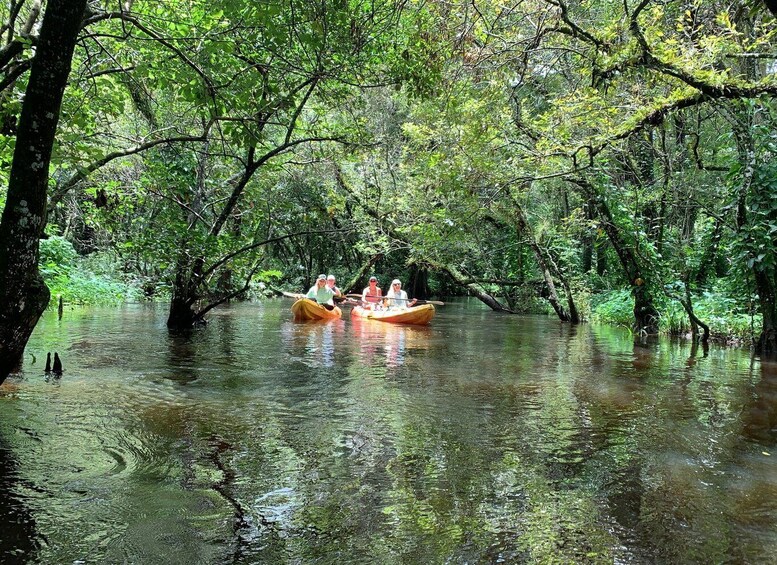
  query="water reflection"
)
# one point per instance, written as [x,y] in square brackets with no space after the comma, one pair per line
[19,536]
[182,358]
[313,342]
[480,438]
[760,414]
[385,344]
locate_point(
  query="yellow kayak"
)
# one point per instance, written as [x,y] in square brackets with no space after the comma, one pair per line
[305,309]
[419,315]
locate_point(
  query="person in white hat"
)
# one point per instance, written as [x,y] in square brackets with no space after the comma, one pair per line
[331,282]
[321,293]
[396,297]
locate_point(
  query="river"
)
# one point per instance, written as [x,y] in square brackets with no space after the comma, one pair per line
[482,438]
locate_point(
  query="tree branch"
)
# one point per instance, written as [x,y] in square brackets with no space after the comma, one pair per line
[83,172]
[126,17]
[207,272]
[251,168]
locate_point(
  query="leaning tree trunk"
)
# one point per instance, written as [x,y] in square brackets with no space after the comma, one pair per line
[471,287]
[524,229]
[645,313]
[23,294]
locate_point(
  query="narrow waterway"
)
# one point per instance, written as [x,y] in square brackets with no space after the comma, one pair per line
[482,438]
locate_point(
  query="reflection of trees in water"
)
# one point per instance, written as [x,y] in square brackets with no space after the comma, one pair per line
[18,533]
[320,344]
[754,492]
[197,446]
[669,483]
[616,433]
[182,346]
[396,338]
[760,414]
[227,333]
[497,445]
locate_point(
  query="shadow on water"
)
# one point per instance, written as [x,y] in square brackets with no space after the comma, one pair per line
[18,530]
[760,415]
[182,348]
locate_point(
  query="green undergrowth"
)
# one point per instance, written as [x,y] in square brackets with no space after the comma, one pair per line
[82,280]
[729,319]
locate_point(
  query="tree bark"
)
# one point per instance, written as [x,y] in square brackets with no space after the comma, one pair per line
[185,293]
[473,288]
[23,294]
[767,290]
[525,230]
[753,190]
[645,314]
[587,255]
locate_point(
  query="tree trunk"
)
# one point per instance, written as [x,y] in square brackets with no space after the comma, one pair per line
[544,264]
[754,190]
[552,297]
[473,288]
[601,257]
[185,293]
[181,315]
[645,314]
[418,285]
[710,260]
[356,283]
[695,320]
[767,290]
[188,274]
[23,295]
[588,240]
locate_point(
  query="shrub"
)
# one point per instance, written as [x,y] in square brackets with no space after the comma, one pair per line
[79,280]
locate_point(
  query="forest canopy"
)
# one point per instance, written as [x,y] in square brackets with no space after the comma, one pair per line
[590,159]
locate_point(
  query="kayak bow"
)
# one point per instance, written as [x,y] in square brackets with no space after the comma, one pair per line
[306,309]
[419,315]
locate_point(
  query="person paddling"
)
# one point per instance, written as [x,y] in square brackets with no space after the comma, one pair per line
[321,293]
[396,297]
[371,295]
[331,283]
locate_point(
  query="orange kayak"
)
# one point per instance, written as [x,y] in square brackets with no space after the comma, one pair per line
[419,315]
[305,309]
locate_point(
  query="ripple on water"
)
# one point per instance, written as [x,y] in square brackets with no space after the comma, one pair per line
[440,441]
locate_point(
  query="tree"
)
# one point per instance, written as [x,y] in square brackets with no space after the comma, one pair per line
[23,295]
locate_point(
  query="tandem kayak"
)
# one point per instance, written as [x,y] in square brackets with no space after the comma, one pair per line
[305,309]
[419,315]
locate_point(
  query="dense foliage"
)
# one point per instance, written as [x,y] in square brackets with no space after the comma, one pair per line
[596,160]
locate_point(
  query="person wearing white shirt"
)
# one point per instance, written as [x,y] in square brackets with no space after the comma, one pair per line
[396,297]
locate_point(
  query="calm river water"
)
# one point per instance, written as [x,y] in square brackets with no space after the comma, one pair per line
[482,438]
